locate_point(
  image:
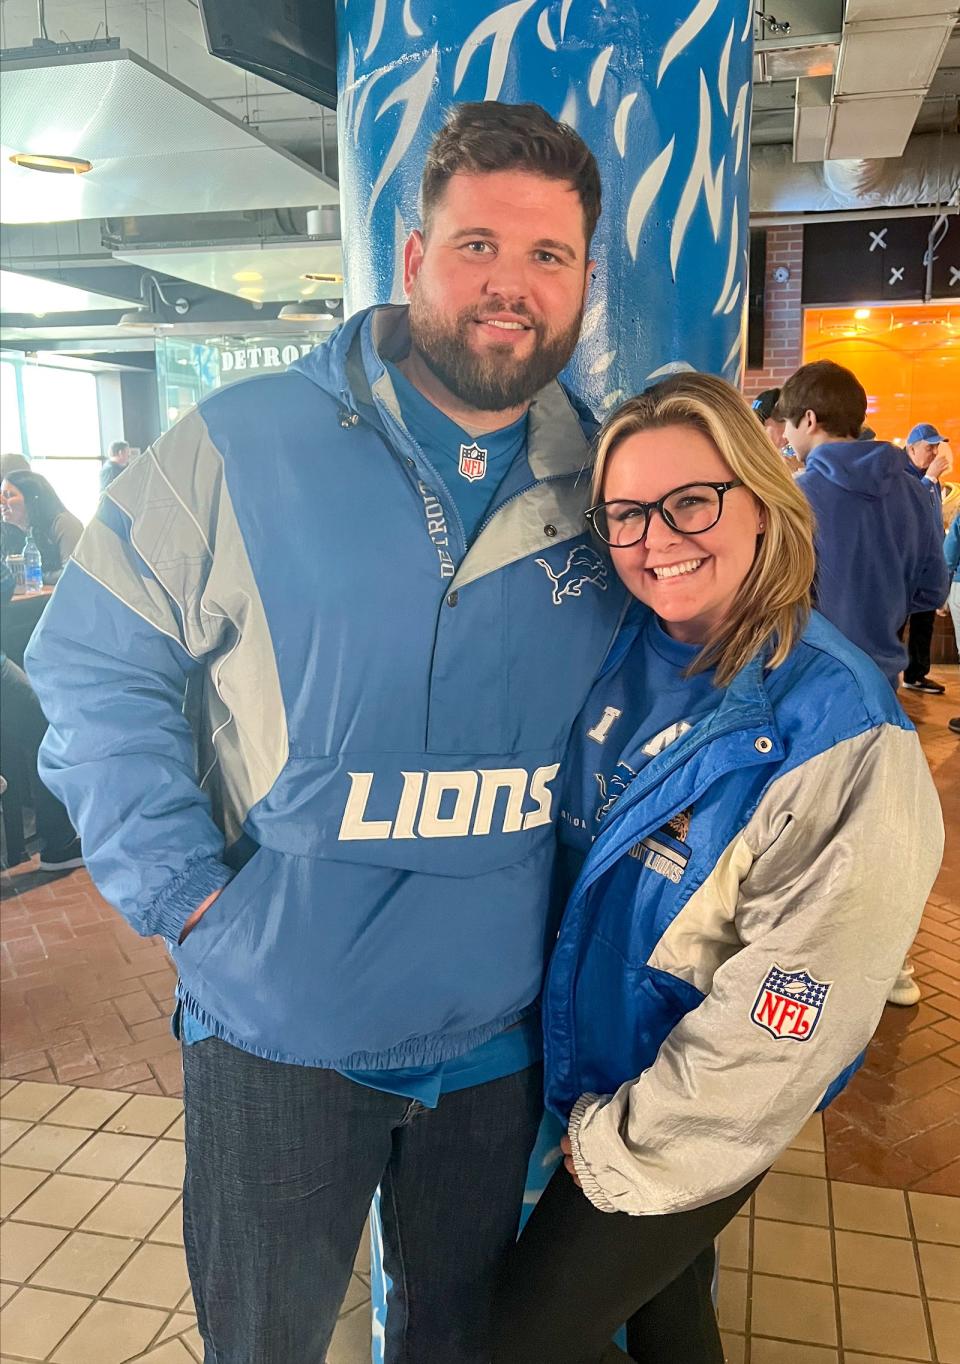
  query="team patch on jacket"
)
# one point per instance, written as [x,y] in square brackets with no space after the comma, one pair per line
[666,852]
[583,566]
[789,1004]
[473,462]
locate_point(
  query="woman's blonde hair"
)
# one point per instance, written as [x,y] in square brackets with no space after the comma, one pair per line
[772,604]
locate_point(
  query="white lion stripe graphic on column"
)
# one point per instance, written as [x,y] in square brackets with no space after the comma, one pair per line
[502,28]
[376,27]
[414,94]
[685,34]
[410,25]
[543,31]
[641,201]
[597,73]
[701,177]
[731,261]
[739,122]
[723,77]
[620,122]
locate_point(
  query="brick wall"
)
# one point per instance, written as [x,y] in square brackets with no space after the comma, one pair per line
[782,313]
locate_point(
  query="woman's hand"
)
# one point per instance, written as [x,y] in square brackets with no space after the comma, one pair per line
[571,1169]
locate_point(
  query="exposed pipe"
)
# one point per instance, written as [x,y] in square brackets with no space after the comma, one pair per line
[853,215]
[927,173]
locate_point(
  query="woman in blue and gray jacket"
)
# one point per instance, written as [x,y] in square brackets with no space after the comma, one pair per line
[753,831]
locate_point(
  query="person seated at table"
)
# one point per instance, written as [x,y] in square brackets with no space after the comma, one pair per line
[753,830]
[27,500]
[22,727]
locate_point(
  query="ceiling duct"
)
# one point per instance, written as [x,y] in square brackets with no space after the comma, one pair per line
[888,56]
[798,55]
[928,173]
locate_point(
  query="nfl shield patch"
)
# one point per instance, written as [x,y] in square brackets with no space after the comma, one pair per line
[473,462]
[789,1004]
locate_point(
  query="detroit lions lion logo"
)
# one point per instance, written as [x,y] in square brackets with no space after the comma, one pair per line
[612,790]
[583,565]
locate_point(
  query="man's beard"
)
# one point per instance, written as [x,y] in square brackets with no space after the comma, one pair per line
[492,382]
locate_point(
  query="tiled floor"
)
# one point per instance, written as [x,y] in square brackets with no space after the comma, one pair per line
[91,1246]
[92,1266]
[858,1266]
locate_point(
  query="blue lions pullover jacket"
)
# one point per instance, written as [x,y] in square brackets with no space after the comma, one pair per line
[879,552]
[321,702]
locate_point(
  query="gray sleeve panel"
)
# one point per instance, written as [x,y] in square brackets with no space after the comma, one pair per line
[845,851]
[200,590]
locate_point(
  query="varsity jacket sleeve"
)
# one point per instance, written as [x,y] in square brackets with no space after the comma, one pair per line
[828,877]
[149,599]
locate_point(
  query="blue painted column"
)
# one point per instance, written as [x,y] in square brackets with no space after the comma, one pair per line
[660,92]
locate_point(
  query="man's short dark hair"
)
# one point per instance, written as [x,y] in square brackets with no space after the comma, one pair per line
[118,447]
[479,139]
[835,394]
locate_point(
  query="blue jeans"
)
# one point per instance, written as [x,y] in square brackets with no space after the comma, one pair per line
[282,1164]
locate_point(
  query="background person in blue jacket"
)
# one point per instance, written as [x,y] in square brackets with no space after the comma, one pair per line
[927,461]
[951,552]
[879,553]
[741,781]
[879,546]
[325,773]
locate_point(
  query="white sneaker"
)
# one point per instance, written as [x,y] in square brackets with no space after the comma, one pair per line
[904,990]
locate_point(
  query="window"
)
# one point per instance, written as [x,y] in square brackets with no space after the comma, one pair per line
[63,433]
[11,439]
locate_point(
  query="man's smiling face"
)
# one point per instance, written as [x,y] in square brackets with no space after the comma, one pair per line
[497,286]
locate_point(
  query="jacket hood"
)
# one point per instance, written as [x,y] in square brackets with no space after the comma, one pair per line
[337,365]
[864,467]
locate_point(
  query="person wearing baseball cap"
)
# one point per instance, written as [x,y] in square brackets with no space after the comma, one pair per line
[926,462]
[765,406]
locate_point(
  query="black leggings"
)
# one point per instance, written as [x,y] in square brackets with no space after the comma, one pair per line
[577,1274]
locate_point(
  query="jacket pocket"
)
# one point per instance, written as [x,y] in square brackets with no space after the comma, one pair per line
[623,1015]
[235,897]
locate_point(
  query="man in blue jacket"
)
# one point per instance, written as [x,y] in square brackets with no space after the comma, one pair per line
[346,617]
[926,461]
[879,554]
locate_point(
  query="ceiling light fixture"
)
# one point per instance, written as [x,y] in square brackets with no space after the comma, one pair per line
[53,165]
[323,310]
[322,279]
[148,314]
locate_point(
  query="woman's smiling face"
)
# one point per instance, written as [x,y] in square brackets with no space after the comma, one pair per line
[12,506]
[690,581]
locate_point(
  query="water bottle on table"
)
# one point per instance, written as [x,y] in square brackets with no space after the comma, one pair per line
[32,566]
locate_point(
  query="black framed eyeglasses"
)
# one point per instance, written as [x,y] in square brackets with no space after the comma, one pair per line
[690,509]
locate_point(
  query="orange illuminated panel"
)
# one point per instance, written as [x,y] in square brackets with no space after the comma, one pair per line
[907,358]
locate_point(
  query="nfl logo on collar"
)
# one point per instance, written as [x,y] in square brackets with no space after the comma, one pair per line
[473,462]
